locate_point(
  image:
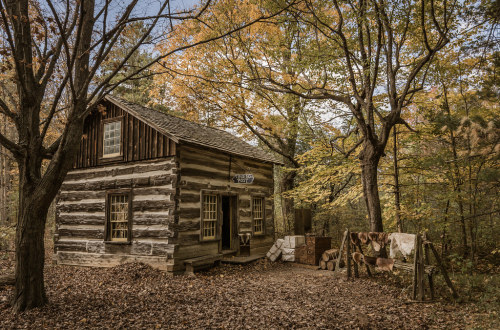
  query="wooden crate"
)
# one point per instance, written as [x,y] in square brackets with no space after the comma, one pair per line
[301,254]
[315,246]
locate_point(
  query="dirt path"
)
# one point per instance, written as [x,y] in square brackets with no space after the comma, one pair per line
[260,296]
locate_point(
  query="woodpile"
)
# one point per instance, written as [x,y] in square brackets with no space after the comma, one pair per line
[309,250]
[328,260]
[330,254]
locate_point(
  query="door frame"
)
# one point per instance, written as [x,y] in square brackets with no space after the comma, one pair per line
[234,222]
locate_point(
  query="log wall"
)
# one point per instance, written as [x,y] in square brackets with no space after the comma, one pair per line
[166,208]
[80,214]
[202,169]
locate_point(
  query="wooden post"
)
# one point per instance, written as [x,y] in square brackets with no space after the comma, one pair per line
[415,267]
[356,272]
[421,271]
[337,267]
[348,255]
[443,270]
[358,244]
[427,262]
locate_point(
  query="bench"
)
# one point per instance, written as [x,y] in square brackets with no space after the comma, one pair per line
[203,262]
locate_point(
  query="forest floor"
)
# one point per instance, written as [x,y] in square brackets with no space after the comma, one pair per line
[260,295]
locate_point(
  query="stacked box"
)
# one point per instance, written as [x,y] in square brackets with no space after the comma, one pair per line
[289,245]
[275,252]
[287,254]
[286,248]
[292,242]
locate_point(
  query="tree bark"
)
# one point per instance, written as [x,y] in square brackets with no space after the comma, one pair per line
[457,175]
[31,219]
[36,193]
[396,181]
[370,157]
[287,183]
[29,289]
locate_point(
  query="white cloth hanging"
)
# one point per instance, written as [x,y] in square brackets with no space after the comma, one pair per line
[401,242]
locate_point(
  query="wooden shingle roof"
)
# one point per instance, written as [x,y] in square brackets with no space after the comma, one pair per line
[185,131]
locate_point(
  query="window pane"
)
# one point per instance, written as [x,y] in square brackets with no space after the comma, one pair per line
[209,216]
[118,217]
[258,215]
[112,138]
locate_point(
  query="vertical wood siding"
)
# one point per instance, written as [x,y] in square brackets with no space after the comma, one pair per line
[139,141]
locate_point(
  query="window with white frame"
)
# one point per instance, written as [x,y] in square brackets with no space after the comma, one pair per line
[209,229]
[258,215]
[112,138]
[118,217]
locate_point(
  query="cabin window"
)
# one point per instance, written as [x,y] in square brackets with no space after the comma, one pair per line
[118,217]
[210,207]
[258,215]
[112,139]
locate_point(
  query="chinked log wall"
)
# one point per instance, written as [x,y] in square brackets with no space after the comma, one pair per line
[203,169]
[80,214]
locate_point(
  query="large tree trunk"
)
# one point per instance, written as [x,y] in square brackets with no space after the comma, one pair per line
[32,215]
[36,192]
[370,157]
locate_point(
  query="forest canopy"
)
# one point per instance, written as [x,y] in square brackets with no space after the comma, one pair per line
[385,114]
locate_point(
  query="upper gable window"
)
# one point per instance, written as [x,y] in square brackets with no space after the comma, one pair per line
[112,138]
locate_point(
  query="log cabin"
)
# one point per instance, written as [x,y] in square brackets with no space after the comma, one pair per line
[154,188]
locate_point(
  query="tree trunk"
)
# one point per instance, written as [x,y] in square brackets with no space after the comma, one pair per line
[370,158]
[287,183]
[29,290]
[457,177]
[396,181]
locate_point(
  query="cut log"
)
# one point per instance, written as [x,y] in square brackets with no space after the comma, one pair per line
[322,264]
[7,279]
[329,254]
[330,265]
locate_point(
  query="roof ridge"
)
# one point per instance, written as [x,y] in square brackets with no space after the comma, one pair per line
[171,115]
[180,129]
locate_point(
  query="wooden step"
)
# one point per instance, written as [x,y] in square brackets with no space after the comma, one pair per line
[228,253]
[202,262]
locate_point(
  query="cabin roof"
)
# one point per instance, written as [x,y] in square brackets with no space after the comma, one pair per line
[182,130]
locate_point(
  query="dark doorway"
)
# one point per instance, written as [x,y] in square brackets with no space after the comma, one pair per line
[226,223]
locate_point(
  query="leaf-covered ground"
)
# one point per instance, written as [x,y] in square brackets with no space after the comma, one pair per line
[260,295]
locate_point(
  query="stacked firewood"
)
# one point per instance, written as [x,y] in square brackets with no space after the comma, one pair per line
[329,260]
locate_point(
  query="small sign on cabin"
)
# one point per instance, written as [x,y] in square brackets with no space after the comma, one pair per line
[243,178]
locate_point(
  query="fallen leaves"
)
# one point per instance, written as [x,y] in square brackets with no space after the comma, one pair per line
[260,295]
